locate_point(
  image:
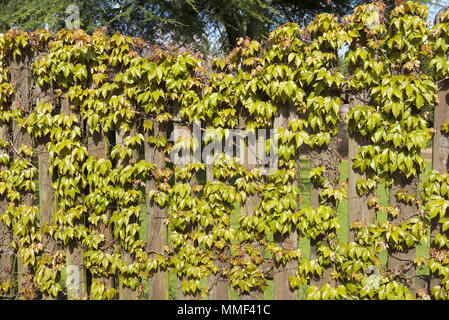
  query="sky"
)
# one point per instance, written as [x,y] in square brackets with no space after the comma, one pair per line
[433,9]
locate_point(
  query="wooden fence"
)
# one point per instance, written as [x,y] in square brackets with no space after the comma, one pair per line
[99,202]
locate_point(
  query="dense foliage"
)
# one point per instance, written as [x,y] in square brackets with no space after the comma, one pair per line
[121,91]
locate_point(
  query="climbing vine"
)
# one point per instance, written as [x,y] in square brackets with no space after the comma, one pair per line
[94,114]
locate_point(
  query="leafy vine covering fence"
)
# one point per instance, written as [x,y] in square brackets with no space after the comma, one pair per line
[93,205]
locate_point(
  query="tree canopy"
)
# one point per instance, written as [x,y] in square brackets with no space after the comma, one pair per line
[203,23]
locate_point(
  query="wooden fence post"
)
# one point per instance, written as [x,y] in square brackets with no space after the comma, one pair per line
[358,209]
[440,150]
[6,253]
[21,81]
[74,249]
[402,261]
[219,285]
[186,134]
[47,202]
[126,293]
[252,200]
[440,158]
[326,156]
[289,242]
[97,147]
[156,227]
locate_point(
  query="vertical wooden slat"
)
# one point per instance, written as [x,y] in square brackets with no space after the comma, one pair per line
[46,195]
[97,147]
[326,156]
[289,242]
[249,206]
[219,285]
[156,228]
[46,192]
[358,209]
[220,289]
[440,157]
[125,292]
[402,261]
[440,151]
[74,251]
[6,253]
[24,272]
[186,133]
[21,81]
